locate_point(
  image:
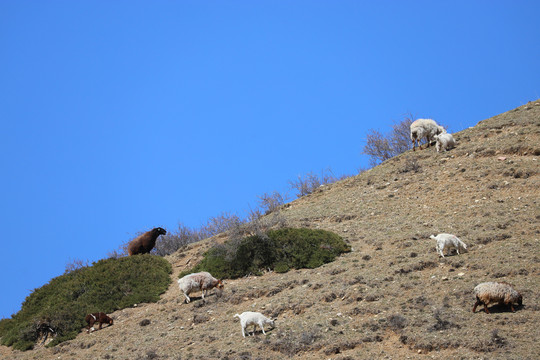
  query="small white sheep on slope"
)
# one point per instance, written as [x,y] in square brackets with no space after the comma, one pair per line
[444,142]
[424,128]
[496,292]
[448,241]
[198,281]
[253,318]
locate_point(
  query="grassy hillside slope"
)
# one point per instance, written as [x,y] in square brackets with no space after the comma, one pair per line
[391,296]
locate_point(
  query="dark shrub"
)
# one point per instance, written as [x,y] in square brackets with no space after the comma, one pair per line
[279,250]
[63,303]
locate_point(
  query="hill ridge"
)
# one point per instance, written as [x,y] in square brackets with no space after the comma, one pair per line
[391,296]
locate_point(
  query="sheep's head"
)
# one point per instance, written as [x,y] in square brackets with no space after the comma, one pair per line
[432,237]
[219,288]
[220,284]
[440,130]
[110,321]
[272,324]
[160,231]
[520,300]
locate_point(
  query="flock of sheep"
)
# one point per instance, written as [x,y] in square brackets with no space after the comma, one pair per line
[486,293]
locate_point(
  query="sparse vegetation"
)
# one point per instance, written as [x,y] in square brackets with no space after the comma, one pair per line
[392,296]
[380,147]
[271,202]
[308,183]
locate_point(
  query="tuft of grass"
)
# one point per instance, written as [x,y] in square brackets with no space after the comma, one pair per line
[61,305]
[279,250]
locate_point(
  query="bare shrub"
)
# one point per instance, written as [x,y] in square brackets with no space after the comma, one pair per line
[258,225]
[381,147]
[75,265]
[411,165]
[495,341]
[120,252]
[396,322]
[172,241]
[442,324]
[291,343]
[343,346]
[307,184]
[220,224]
[271,202]
[200,318]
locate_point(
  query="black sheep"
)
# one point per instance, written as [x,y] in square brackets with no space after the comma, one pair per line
[144,243]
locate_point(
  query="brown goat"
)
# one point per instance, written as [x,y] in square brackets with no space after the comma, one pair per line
[144,243]
[98,317]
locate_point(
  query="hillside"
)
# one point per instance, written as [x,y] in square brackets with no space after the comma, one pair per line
[391,297]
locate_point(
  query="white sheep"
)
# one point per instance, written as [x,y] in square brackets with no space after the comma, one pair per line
[448,241]
[253,318]
[496,292]
[425,128]
[444,142]
[198,281]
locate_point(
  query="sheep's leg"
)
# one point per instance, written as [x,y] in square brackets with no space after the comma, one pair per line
[512,307]
[244,332]
[475,305]
[262,328]
[100,325]
[441,252]
[91,325]
[187,298]
[485,308]
[202,294]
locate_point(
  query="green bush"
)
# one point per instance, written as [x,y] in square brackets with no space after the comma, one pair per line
[63,303]
[279,250]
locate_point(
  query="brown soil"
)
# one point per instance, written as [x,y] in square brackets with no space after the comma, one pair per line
[392,296]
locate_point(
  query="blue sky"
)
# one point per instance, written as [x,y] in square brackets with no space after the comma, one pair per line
[119,116]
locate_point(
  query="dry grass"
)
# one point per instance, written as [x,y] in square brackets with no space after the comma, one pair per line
[392,296]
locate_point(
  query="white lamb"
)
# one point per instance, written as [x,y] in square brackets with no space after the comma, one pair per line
[444,142]
[448,241]
[199,281]
[253,318]
[425,128]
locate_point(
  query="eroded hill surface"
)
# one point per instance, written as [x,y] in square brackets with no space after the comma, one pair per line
[392,296]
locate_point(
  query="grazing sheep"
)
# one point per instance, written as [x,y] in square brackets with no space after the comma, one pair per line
[444,142]
[198,281]
[144,243]
[496,292]
[424,128]
[448,241]
[253,318]
[98,317]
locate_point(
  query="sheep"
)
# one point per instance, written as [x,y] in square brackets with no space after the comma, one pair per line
[198,281]
[448,241]
[144,243]
[496,292]
[444,142]
[253,318]
[424,128]
[98,317]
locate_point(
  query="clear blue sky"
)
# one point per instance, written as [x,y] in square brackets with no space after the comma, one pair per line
[119,116]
